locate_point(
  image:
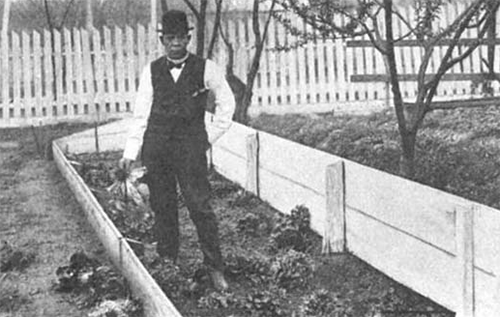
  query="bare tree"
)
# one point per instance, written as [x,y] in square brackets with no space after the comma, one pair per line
[260,34]
[164,6]
[375,19]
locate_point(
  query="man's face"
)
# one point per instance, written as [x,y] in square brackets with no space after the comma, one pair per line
[175,44]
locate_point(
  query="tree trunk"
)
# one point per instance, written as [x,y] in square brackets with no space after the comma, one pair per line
[200,30]
[164,6]
[89,19]
[239,89]
[407,160]
[215,30]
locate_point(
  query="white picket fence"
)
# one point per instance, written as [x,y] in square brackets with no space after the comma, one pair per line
[92,75]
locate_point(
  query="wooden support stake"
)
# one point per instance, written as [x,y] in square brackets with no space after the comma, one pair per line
[334,240]
[465,257]
[252,143]
[210,160]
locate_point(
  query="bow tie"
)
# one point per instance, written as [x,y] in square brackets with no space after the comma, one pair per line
[174,65]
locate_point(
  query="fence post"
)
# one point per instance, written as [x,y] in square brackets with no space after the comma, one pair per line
[334,236]
[252,145]
[465,257]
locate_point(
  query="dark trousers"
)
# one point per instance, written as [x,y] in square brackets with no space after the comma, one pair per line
[183,161]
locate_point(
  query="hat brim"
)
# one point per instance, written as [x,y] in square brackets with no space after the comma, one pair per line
[188,29]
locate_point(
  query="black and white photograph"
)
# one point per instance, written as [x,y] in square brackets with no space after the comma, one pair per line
[249,158]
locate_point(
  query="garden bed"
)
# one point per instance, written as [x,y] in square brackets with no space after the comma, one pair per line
[273,262]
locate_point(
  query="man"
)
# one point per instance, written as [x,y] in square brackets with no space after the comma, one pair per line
[169,126]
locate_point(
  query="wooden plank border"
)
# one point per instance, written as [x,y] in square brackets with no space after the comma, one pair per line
[156,303]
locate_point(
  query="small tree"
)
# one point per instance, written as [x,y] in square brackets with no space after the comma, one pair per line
[375,19]
[244,92]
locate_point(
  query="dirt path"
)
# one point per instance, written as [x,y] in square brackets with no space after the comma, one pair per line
[38,214]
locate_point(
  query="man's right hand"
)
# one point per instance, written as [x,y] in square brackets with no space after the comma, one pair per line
[125,164]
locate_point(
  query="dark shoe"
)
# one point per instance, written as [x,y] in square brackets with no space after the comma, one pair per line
[219,281]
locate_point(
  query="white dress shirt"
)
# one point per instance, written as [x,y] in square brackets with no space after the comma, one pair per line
[214,80]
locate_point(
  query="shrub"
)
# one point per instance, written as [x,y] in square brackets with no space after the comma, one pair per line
[293,231]
[292,269]
[264,304]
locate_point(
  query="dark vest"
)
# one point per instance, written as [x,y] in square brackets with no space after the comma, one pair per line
[178,109]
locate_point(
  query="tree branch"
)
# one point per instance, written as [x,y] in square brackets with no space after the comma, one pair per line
[192,8]
[63,20]
[398,100]
[215,31]
[47,13]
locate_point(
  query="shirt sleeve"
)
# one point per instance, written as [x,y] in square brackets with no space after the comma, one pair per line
[142,109]
[215,81]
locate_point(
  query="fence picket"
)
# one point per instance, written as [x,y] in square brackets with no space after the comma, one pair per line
[37,68]
[54,108]
[16,75]
[98,67]
[291,61]
[110,90]
[264,77]
[120,73]
[69,80]
[27,79]
[130,66]
[80,79]
[301,62]
[311,79]
[152,44]
[320,55]
[330,86]
[4,44]
[341,76]
[349,71]
[48,67]
[88,75]
[273,64]
[141,52]
[282,66]
[357,67]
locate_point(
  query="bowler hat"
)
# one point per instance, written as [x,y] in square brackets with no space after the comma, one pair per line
[174,22]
